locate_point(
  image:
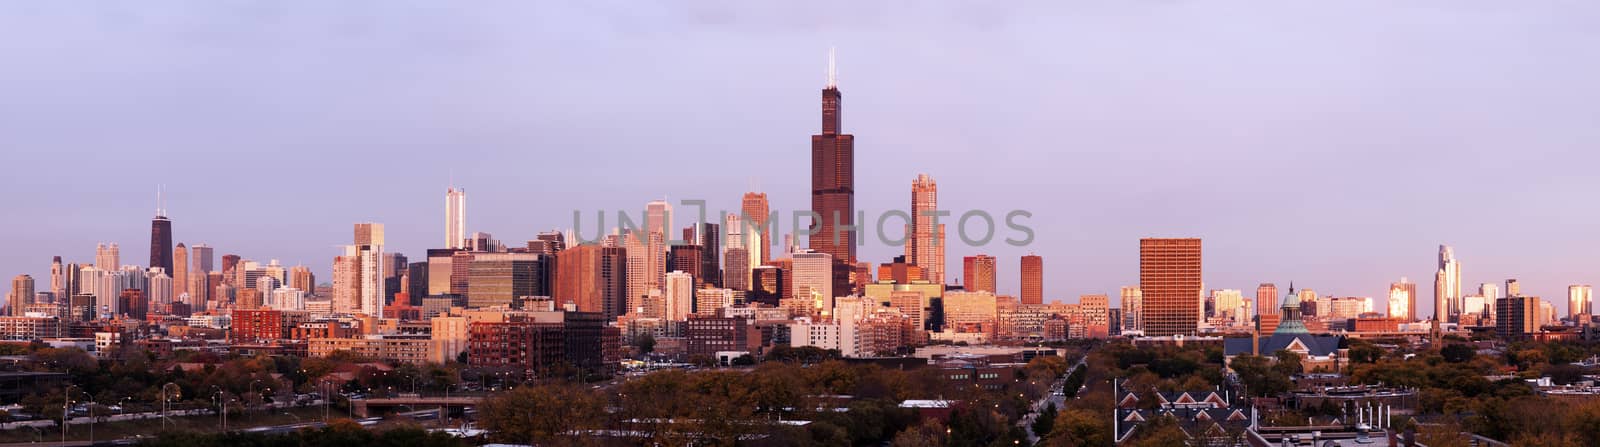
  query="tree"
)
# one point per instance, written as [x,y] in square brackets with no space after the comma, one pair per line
[1260,378]
[1159,432]
[1288,362]
[931,433]
[1457,353]
[646,343]
[1045,421]
[1364,352]
[1079,427]
[541,413]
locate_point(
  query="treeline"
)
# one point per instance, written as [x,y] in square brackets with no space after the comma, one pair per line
[723,407]
[199,379]
[342,433]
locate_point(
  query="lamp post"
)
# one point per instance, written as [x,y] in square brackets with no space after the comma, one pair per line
[252,388]
[92,417]
[165,398]
[66,404]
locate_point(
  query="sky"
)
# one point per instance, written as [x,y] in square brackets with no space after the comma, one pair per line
[1332,144]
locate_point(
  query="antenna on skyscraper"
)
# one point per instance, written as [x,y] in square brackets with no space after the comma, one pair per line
[833,72]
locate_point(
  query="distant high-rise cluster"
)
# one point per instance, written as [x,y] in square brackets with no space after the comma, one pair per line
[734,284]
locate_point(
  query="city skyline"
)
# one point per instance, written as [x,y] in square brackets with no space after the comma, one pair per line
[1360,260]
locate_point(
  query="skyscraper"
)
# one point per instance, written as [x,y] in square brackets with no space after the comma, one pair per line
[501,279]
[346,282]
[161,241]
[613,281]
[757,233]
[688,258]
[58,279]
[833,179]
[978,273]
[1132,309]
[1170,283]
[679,296]
[300,277]
[710,240]
[1403,300]
[1267,298]
[230,262]
[578,277]
[107,257]
[369,254]
[21,295]
[455,217]
[1580,301]
[657,221]
[813,279]
[1518,316]
[1447,287]
[180,270]
[924,238]
[735,256]
[203,257]
[1033,279]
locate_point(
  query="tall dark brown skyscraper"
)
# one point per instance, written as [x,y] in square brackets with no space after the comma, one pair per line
[1169,278]
[161,241]
[833,185]
[710,249]
[613,281]
[688,258]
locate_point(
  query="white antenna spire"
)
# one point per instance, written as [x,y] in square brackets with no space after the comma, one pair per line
[833,71]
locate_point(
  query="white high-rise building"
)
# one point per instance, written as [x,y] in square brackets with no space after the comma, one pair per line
[1580,301]
[1447,287]
[636,266]
[1474,304]
[158,288]
[369,254]
[708,301]
[1132,309]
[111,286]
[1229,302]
[288,298]
[813,279]
[735,257]
[1400,300]
[455,218]
[107,257]
[679,296]
[1491,293]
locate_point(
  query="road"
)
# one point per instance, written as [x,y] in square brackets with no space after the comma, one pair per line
[1060,401]
[84,420]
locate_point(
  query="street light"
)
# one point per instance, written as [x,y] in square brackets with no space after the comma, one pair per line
[66,403]
[165,398]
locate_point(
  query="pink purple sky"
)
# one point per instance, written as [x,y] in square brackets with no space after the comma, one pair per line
[1335,144]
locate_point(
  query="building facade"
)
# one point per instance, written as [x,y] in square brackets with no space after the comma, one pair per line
[1170,285]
